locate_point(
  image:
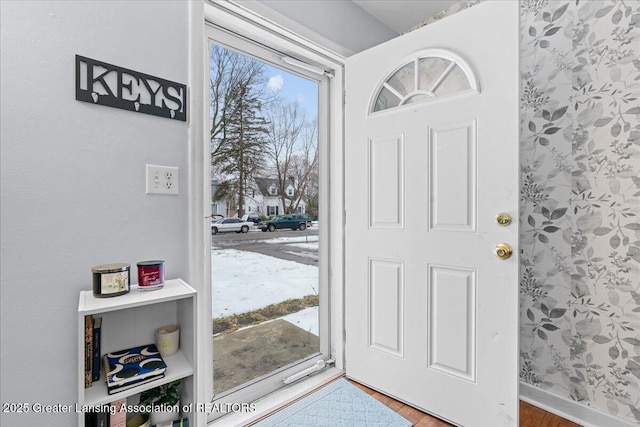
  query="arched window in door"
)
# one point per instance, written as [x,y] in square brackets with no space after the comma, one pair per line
[429,75]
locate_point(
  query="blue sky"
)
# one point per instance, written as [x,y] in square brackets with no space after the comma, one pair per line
[294,88]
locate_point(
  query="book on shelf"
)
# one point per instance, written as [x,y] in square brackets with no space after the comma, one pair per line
[181,422]
[97,337]
[96,419]
[88,351]
[102,419]
[131,367]
[118,418]
[119,388]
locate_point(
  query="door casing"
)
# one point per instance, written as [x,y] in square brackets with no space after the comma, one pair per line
[244,21]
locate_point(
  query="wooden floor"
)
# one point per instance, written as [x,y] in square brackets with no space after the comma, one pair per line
[530,416]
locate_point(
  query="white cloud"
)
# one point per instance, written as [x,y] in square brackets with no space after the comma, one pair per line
[300,99]
[275,83]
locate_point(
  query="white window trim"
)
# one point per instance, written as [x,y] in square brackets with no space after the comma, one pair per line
[231,39]
[242,21]
[199,273]
[426,53]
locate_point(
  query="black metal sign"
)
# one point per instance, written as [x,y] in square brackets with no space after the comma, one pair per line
[100,83]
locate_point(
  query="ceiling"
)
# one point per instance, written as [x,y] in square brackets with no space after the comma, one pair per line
[401,15]
[348,26]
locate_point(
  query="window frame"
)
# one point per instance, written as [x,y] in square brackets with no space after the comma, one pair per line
[474,85]
[255,388]
[243,22]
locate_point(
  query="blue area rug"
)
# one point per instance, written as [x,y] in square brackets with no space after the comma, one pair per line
[337,404]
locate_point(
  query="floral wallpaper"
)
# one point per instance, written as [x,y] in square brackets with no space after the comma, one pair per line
[580,201]
[464,4]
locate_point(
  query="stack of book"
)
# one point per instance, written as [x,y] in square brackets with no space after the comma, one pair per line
[132,367]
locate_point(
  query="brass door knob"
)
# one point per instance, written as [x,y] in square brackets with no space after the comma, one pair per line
[503,219]
[503,251]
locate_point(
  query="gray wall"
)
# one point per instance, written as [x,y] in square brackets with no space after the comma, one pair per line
[72,183]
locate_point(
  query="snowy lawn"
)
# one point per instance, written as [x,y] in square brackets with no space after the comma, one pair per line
[306,319]
[245,281]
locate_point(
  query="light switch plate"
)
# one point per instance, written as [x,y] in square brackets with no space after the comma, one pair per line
[161,180]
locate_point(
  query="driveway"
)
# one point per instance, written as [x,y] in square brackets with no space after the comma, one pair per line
[298,246]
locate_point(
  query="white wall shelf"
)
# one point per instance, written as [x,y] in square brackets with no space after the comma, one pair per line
[131,320]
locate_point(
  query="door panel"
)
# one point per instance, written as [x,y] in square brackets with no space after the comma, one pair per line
[452,323]
[386,182]
[431,312]
[452,177]
[386,306]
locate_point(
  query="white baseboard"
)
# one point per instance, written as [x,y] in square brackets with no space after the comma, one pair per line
[571,410]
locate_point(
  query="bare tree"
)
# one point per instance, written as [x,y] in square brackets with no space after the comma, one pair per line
[304,166]
[237,126]
[286,123]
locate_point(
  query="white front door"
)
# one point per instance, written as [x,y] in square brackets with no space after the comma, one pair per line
[431,159]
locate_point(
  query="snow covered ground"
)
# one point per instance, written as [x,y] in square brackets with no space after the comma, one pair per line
[306,319]
[310,245]
[303,242]
[300,239]
[244,281]
[310,255]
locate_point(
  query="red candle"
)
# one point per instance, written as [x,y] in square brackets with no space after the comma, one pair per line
[150,275]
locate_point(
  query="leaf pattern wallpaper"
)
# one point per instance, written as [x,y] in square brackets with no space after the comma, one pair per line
[580,200]
[464,4]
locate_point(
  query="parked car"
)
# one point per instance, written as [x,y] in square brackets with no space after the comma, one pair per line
[305,217]
[230,224]
[294,222]
[252,217]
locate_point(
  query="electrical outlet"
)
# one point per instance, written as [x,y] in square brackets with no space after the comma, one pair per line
[162,180]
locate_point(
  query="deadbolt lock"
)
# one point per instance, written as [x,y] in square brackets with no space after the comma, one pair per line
[503,219]
[503,251]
